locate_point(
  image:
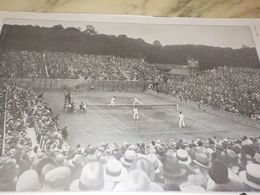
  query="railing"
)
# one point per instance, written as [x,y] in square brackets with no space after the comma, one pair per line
[3,126]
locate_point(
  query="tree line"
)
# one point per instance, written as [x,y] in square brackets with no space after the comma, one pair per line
[89,41]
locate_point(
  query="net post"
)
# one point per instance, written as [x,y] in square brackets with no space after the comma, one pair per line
[177,106]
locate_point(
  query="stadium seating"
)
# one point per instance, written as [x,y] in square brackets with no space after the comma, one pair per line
[174,165]
[231,89]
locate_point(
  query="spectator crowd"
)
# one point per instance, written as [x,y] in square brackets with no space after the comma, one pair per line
[59,65]
[235,90]
[210,164]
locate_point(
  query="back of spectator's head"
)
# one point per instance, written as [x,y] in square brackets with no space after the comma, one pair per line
[115,171]
[142,163]
[137,181]
[8,174]
[173,172]
[57,178]
[251,177]
[128,158]
[218,172]
[92,179]
[28,181]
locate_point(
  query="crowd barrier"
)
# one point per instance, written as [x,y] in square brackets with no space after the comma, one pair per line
[85,85]
[2,129]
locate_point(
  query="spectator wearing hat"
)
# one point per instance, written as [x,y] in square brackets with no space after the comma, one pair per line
[230,158]
[191,188]
[256,158]
[200,166]
[92,178]
[128,158]
[40,163]
[25,163]
[137,181]
[60,159]
[45,169]
[221,179]
[174,173]
[28,181]
[142,163]
[158,167]
[251,177]
[8,174]
[76,165]
[56,179]
[183,157]
[115,171]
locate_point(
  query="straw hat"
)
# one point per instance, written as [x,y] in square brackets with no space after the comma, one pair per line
[251,176]
[188,188]
[183,157]
[115,171]
[137,181]
[58,177]
[28,181]
[173,170]
[202,157]
[77,160]
[128,158]
[157,164]
[92,179]
[8,169]
[257,158]
[145,165]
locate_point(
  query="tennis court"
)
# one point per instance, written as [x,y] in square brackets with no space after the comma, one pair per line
[158,119]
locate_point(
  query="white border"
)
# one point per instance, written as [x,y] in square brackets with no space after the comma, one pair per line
[254,25]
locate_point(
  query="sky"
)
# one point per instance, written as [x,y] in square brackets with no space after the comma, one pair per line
[168,34]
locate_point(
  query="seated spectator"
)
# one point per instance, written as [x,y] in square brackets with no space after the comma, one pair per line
[28,181]
[174,174]
[137,181]
[8,174]
[250,177]
[221,179]
[92,179]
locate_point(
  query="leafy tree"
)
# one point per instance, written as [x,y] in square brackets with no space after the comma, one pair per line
[90,30]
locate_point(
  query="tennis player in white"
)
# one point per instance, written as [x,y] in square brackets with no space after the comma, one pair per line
[136,101]
[181,120]
[135,113]
[113,101]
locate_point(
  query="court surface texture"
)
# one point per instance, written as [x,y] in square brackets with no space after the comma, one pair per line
[158,119]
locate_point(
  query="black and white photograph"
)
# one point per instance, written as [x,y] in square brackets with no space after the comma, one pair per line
[128,107]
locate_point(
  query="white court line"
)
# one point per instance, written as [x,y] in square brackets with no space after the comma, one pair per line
[143,115]
[122,124]
[109,124]
[177,132]
[116,120]
[197,124]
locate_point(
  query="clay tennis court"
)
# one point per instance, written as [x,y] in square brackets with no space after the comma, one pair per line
[158,119]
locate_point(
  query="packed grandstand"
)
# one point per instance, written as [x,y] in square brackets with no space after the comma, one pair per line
[209,164]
